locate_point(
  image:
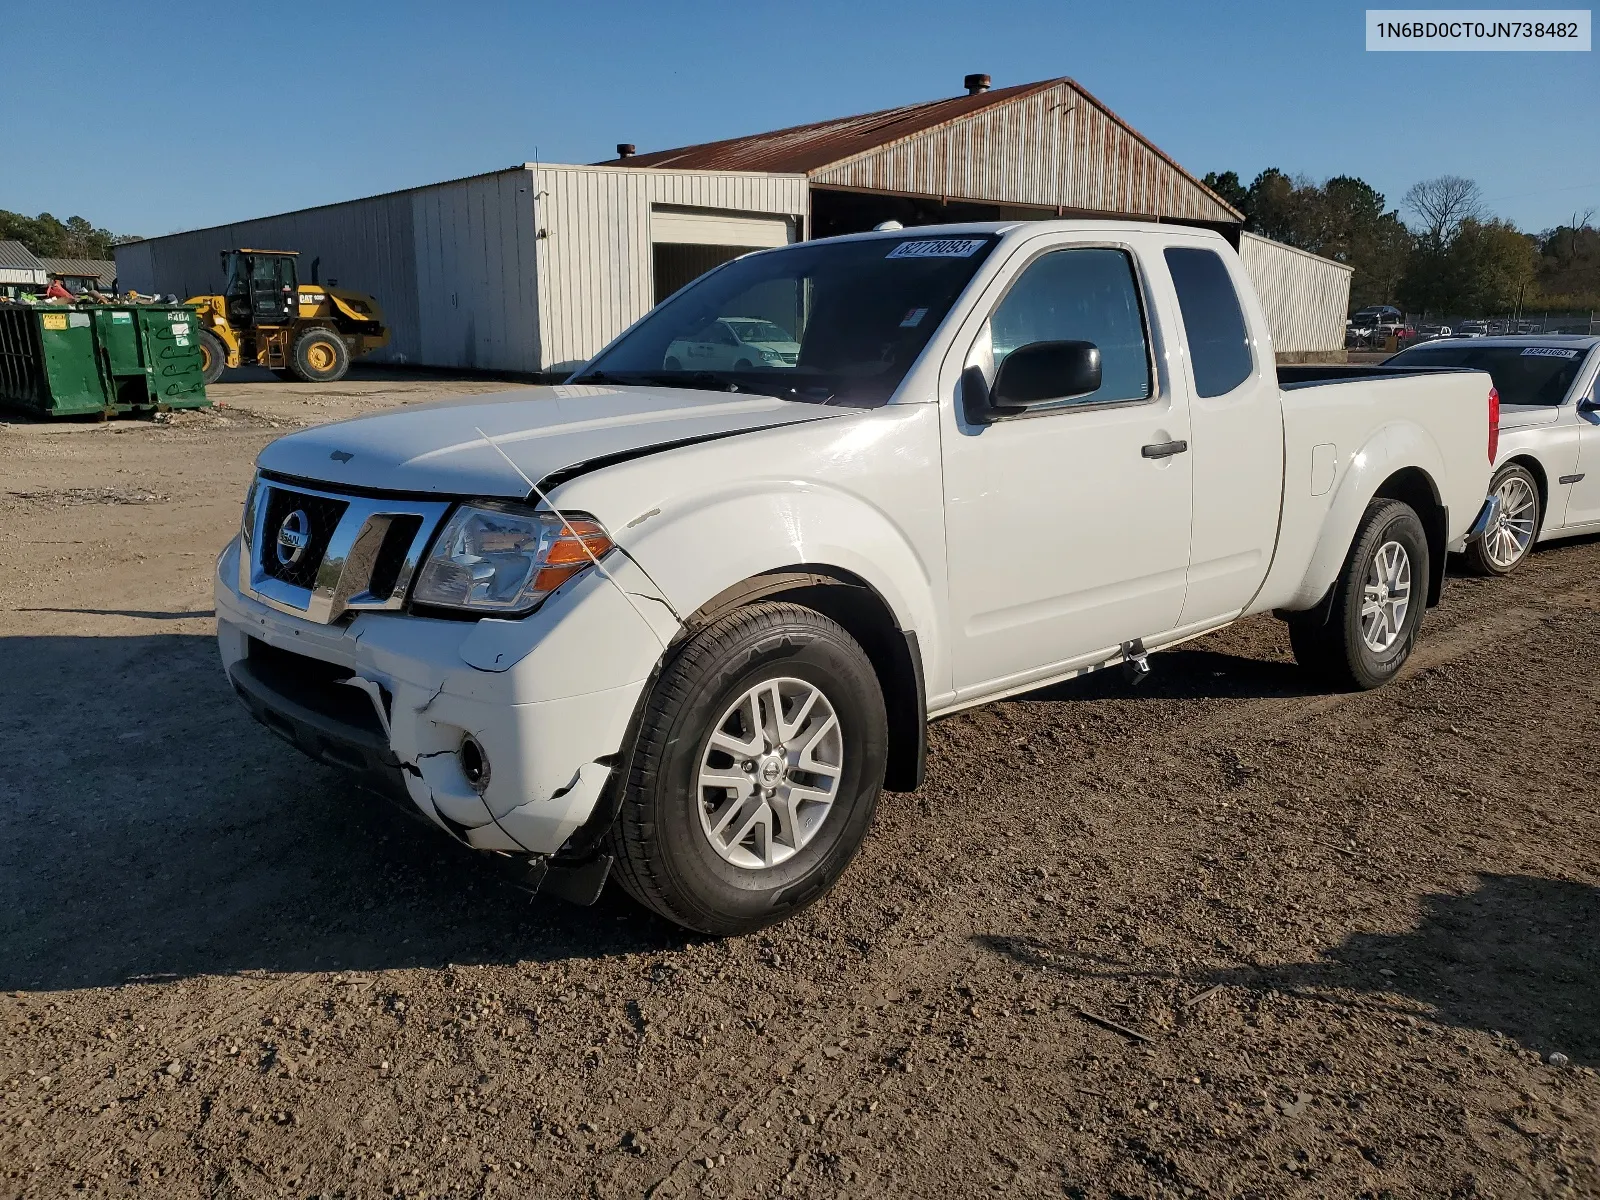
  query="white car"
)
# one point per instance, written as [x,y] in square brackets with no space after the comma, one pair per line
[1546,481]
[733,344]
[683,627]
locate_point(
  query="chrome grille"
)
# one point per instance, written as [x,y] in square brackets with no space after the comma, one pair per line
[297,564]
[321,554]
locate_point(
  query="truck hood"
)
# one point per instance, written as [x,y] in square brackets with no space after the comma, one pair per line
[436,448]
[1520,416]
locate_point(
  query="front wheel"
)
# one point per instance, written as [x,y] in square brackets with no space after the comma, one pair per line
[1508,539]
[1377,604]
[755,772]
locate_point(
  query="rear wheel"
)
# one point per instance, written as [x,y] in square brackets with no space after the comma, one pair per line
[755,773]
[213,356]
[320,356]
[1508,539]
[1377,606]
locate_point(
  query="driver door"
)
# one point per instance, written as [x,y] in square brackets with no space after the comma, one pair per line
[1067,529]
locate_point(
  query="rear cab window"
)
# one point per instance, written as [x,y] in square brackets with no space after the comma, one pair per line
[1213,321]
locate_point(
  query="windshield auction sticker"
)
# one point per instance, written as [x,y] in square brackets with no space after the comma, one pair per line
[938,248]
[1477,29]
[1548,352]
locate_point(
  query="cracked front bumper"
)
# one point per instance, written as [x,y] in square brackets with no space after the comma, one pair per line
[393,696]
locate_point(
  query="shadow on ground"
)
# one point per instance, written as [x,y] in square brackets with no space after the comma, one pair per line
[149,829]
[1516,956]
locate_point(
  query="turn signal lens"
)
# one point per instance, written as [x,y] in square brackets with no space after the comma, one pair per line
[1494,424]
[579,544]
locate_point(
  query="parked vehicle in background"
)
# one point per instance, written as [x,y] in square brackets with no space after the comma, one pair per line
[1471,329]
[1547,470]
[1433,332]
[733,343]
[690,621]
[1374,315]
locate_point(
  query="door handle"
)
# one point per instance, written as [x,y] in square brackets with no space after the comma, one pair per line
[1163,449]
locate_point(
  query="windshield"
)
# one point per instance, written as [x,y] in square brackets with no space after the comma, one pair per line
[820,321]
[1522,374]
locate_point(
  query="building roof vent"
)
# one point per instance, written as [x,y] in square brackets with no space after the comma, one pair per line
[626,149]
[975,84]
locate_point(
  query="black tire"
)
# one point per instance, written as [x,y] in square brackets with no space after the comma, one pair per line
[1335,649]
[213,356]
[664,858]
[320,356]
[1478,556]
[673,364]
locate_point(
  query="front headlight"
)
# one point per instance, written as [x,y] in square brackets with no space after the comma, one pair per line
[505,558]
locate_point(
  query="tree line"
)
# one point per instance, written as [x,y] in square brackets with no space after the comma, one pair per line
[1452,257]
[48,237]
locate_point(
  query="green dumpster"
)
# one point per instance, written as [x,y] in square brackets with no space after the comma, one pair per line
[69,360]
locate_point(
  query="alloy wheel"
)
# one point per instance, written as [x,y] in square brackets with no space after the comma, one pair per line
[1511,534]
[769,773]
[1385,596]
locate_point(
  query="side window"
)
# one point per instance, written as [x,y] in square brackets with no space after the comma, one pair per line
[1087,295]
[720,335]
[1219,345]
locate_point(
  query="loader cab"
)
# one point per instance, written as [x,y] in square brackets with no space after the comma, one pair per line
[262,287]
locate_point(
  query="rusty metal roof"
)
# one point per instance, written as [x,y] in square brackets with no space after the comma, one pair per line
[806,148]
[1126,174]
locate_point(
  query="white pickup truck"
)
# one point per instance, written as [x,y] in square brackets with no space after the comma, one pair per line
[683,624]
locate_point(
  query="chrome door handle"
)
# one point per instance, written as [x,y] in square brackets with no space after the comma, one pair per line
[1163,449]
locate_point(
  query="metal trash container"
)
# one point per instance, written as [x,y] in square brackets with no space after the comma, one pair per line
[72,360]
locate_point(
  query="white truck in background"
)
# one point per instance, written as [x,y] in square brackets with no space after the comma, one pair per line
[682,624]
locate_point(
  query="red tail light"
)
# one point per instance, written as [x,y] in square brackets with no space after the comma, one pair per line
[1494,424]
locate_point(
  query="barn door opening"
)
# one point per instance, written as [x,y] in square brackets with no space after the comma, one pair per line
[687,243]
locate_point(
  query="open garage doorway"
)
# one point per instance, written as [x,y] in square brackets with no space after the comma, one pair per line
[686,243]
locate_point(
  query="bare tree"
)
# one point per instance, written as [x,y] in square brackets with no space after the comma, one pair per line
[1442,204]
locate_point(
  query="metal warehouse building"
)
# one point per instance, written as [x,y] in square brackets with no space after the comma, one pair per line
[538,266]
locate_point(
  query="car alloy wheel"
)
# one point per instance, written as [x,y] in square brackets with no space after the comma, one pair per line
[769,772]
[1385,597]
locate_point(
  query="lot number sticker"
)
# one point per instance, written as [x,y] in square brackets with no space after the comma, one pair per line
[1548,352]
[938,248]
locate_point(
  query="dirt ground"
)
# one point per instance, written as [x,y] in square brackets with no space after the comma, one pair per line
[1225,936]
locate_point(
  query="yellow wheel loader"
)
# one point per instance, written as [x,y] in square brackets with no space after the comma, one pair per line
[268,318]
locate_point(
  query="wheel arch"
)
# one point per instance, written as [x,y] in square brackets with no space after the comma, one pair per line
[857,606]
[1415,487]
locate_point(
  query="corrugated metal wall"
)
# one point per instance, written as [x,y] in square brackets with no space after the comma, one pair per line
[461,269]
[366,245]
[594,253]
[1056,147]
[476,288]
[1306,297]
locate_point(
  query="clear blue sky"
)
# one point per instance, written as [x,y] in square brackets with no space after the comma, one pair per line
[204,114]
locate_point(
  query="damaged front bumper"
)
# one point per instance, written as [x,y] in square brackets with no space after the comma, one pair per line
[547,700]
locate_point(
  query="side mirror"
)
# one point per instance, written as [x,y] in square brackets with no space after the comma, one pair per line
[1044,372]
[1589,404]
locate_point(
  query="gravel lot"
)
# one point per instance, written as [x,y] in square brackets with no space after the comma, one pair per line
[1225,937]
